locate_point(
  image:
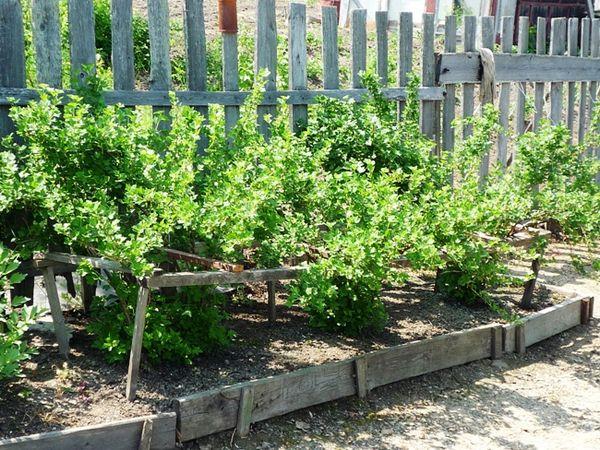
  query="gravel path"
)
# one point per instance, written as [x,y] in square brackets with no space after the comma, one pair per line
[548,398]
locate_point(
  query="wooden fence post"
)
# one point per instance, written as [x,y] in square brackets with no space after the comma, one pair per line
[405,53]
[82,40]
[359,45]
[195,38]
[572,50]
[331,69]
[12,55]
[123,63]
[230,75]
[540,49]
[504,101]
[160,61]
[523,48]
[583,87]
[46,39]
[469,39]
[297,63]
[428,107]
[557,47]
[266,56]
[450,100]
[381,24]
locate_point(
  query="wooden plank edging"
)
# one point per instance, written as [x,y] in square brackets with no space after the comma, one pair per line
[120,435]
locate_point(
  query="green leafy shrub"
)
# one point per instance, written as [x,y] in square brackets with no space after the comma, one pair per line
[15,318]
[178,327]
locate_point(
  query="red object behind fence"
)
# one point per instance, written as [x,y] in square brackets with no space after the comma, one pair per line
[228,16]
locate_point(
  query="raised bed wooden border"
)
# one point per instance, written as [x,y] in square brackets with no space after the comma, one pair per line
[239,405]
[242,404]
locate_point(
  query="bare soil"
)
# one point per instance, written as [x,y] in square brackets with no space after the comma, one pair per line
[54,395]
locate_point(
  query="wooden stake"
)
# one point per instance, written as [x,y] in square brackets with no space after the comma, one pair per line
[60,329]
[136,342]
[520,339]
[246,405]
[360,367]
[497,345]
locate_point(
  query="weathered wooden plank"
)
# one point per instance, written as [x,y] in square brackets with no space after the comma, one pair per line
[497,344]
[520,343]
[230,77]
[572,50]
[204,278]
[417,358]
[244,417]
[22,96]
[465,68]
[583,87]
[160,61]
[540,49]
[209,263]
[359,45]
[82,39]
[123,67]
[297,62]
[331,68]
[509,338]
[217,410]
[195,38]
[136,342]
[66,258]
[120,435]
[553,320]
[505,88]
[522,48]
[487,42]
[146,436]
[266,55]
[271,301]
[557,47]
[381,27]
[45,20]
[469,39]
[60,328]
[405,53]
[12,55]
[450,101]
[428,109]
[595,53]
[361,369]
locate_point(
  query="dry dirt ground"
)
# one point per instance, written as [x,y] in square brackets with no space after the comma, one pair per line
[546,399]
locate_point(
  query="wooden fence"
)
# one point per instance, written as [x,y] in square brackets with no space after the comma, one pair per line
[563,83]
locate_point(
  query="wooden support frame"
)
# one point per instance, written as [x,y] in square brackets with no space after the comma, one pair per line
[136,342]
[60,328]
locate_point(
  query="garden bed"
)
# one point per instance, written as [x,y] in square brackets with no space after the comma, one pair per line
[89,391]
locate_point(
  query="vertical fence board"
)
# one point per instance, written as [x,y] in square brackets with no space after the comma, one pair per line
[522,48]
[557,47]
[450,99]
[572,50]
[540,49]
[583,88]
[195,39]
[160,62]
[381,23]
[469,38]
[46,40]
[504,101]
[331,68]
[230,76]
[428,119]
[487,41]
[359,45]
[122,45]
[405,53]
[595,53]
[82,39]
[266,55]
[297,62]
[12,55]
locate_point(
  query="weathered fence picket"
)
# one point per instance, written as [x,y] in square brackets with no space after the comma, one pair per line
[572,50]
[359,45]
[46,38]
[583,87]
[450,99]
[540,49]
[266,56]
[470,39]
[160,61]
[487,41]
[122,45]
[428,108]
[505,89]
[522,48]
[405,53]
[297,58]
[557,47]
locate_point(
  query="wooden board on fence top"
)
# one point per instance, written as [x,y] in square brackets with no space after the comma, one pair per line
[553,320]
[122,435]
[465,68]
